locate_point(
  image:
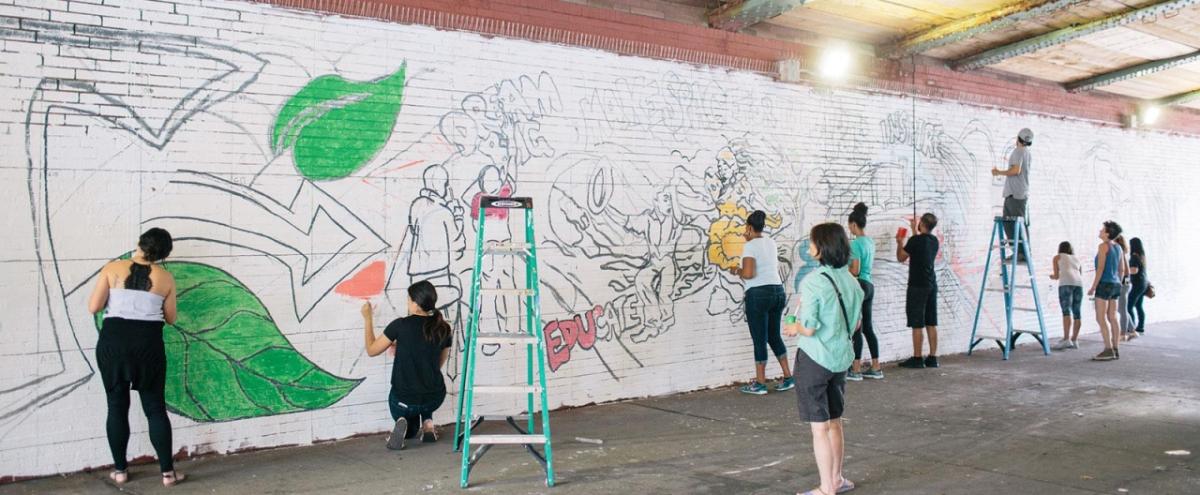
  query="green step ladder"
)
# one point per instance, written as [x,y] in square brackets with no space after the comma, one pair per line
[1010,250]
[532,339]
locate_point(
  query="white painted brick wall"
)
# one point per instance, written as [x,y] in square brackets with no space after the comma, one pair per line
[608,132]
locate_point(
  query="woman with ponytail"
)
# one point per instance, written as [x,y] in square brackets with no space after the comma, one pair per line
[137,296]
[422,341]
[862,259]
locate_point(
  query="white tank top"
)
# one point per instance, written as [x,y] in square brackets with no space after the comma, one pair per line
[1070,273]
[134,305]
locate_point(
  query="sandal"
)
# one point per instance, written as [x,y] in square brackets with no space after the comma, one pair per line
[119,476]
[846,486]
[172,478]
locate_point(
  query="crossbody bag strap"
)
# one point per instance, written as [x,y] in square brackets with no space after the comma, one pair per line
[842,304]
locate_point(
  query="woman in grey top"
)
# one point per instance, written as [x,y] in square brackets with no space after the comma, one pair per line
[137,296]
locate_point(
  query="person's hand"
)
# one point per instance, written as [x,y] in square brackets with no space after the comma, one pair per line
[791,329]
[367,309]
[735,271]
[1092,291]
[1053,277]
[995,172]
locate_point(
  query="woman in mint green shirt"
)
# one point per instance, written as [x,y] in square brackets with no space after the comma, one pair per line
[862,258]
[830,307]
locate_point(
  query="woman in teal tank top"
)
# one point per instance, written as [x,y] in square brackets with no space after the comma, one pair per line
[1106,286]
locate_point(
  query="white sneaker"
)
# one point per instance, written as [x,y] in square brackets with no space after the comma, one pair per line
[1074,344]
[1062,345]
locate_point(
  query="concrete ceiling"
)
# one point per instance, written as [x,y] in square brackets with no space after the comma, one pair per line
[1145,49]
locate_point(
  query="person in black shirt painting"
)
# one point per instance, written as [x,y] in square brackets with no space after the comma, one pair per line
[422,342]
[921,301]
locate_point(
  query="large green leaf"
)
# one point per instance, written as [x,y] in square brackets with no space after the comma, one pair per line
[226,358]
[335,126]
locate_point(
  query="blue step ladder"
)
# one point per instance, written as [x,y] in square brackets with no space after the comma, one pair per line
[1010,250]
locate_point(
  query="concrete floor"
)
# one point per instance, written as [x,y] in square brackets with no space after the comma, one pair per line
[1033,425]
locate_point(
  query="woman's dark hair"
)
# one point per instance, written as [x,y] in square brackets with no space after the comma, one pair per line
[757,220]
[425,295]
[1064,247]
[1112,229]
[156,246]
[1136,249]
[929,220]
[833,245]
[859,215]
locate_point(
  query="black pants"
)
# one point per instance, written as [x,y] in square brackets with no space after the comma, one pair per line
[867,330]
[130,356]
[154,405]
[416,414]
[1014,207]
[1137,296]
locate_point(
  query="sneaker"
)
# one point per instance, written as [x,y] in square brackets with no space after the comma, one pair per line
[854,376]
[1116,353]
[1074,344]
[1107,355]
[1062,345]
[786,384]
[873,374]
[912,362]
[395,441]
[931,362]
[754,388]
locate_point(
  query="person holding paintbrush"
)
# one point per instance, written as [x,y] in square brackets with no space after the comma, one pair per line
[422,341]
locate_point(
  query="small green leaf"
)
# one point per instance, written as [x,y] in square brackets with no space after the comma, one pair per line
[335,126]
[226,358]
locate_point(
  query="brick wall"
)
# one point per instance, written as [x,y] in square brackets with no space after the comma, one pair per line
[305,162]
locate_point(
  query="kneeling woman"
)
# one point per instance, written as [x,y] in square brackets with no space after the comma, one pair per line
[422,342]
[830,307]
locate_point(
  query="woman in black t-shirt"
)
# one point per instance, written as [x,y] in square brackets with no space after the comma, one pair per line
[422,342]
[1140,283]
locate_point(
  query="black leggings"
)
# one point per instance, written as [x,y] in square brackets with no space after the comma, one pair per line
[1137,296]
[155,407]
[867,328]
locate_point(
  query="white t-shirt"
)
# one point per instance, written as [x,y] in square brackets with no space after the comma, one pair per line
[766,262]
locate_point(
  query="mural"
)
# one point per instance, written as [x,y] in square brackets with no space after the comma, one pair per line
[300,179]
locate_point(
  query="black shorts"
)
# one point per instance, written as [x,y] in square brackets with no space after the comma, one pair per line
[820,393]
[921,307]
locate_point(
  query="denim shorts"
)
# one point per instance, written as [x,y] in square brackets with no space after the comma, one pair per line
[1070,297]
[1108,291]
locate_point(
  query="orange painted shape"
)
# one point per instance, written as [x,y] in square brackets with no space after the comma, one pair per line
[365,284]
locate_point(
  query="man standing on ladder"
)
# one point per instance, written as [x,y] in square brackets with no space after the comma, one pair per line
[1016,185]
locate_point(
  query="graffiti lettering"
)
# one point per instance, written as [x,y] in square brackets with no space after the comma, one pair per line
[562,335]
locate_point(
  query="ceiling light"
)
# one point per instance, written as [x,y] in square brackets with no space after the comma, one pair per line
[1150,114]
[836,62]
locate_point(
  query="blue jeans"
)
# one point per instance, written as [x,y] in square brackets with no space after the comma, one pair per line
[1137,296]
[1070,298]
[764,312]
[416,414]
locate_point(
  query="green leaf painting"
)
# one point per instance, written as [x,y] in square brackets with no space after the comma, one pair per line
[334,126]
[226,358]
